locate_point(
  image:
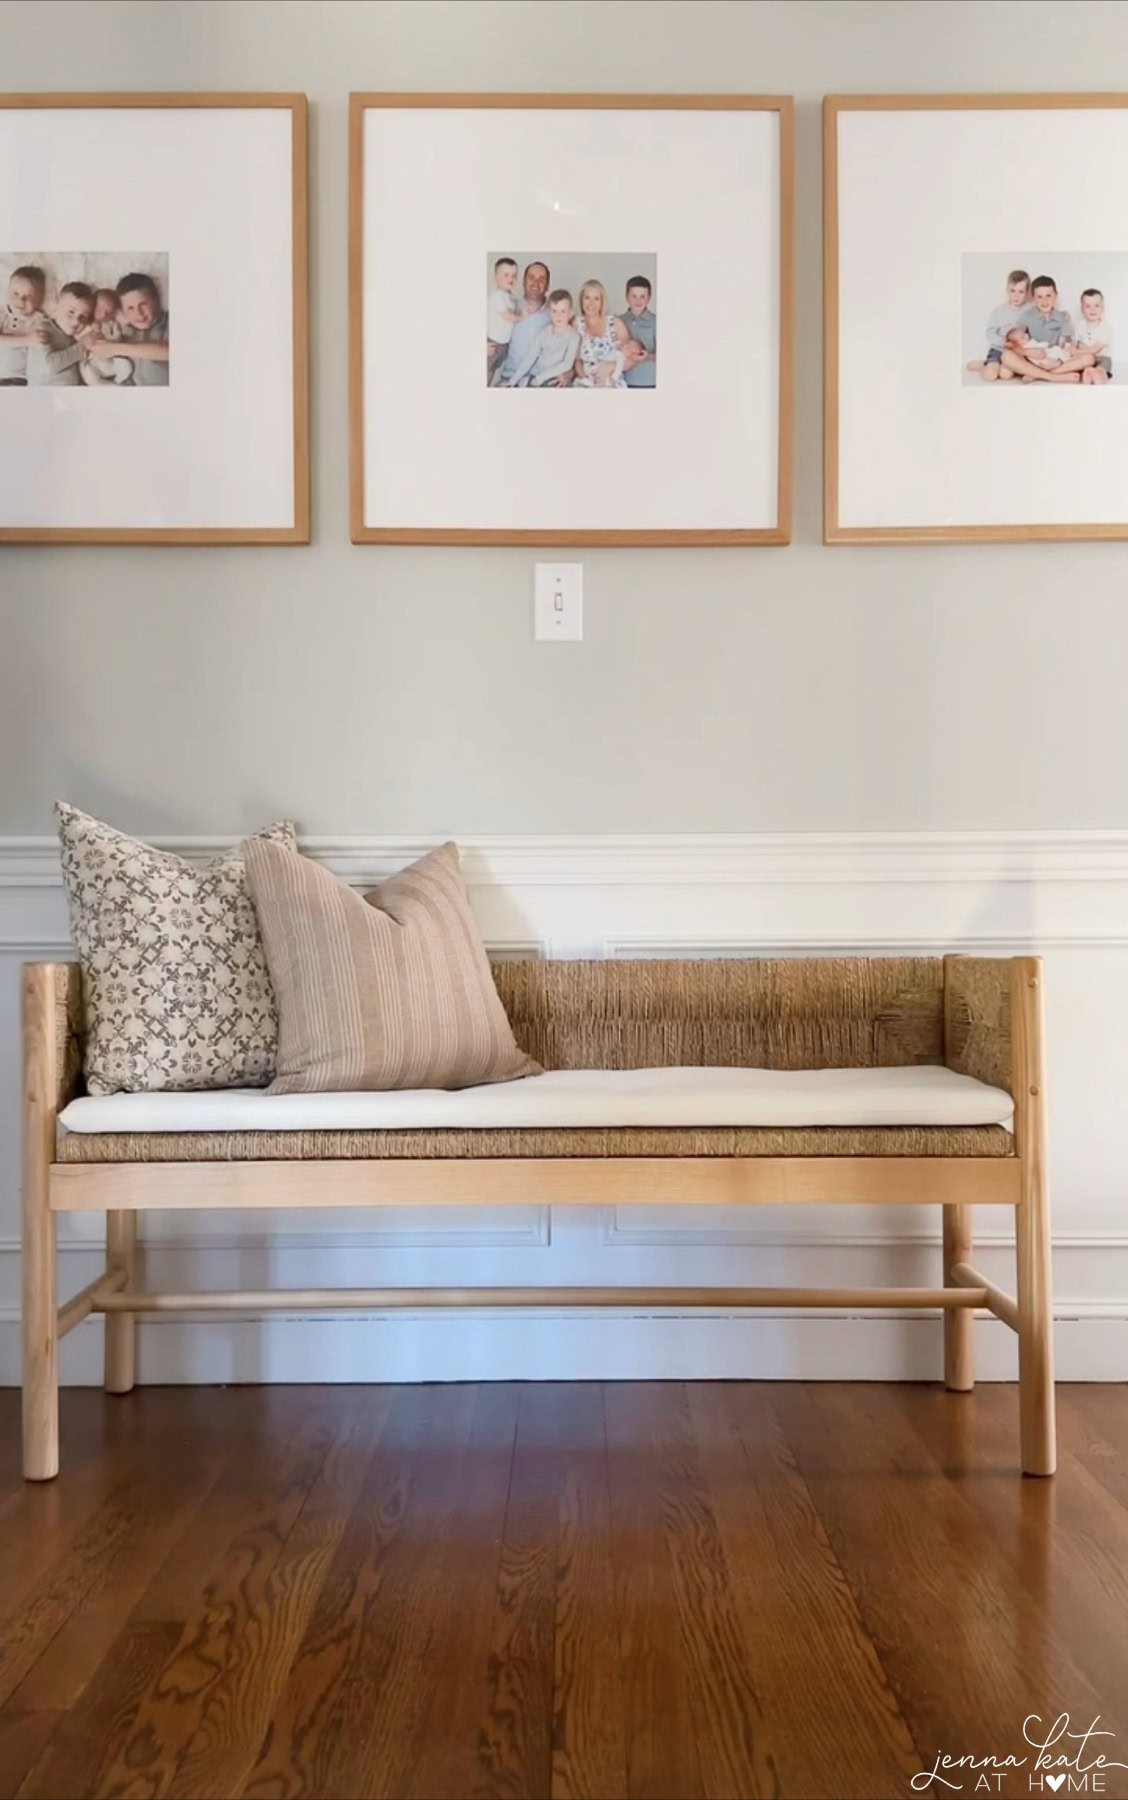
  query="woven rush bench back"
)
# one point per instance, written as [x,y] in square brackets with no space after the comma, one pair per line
[783,1013]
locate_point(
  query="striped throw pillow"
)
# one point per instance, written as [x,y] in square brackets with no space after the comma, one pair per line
[387,990]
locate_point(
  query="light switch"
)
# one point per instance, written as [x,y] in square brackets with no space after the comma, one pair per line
[558,601]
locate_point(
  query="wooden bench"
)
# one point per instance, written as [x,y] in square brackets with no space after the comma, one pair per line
[979,1017]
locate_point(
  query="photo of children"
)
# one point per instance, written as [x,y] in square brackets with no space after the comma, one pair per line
[84,318]
[574,319]
[1035,318]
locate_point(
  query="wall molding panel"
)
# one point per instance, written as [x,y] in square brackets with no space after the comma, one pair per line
[602,860]
[1063,894]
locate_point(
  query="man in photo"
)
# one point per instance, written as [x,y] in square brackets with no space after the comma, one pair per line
[143,325]
[22,322]
[640,352]
[1094,334]
[551,357]
[1049,330]
[54,359]
[534,319]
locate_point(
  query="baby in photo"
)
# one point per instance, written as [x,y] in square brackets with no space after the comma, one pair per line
[1003,319]
[100,371]
[22,323]
[1094,334]
[1047,356]
[503,309]
[553,353]
[1043,356]
[55,357]
[1062,361]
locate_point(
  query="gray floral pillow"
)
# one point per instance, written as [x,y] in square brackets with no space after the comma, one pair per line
[173,972]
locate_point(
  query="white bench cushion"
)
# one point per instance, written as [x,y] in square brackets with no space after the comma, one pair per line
[578,1097]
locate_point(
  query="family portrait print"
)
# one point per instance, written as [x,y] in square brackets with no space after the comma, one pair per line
[84,318]
[1042,318]
[575,319]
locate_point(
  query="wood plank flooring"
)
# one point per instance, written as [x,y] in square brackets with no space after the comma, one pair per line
[660,1591]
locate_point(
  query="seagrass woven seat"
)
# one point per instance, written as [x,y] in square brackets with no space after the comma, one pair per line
[568,1141]
[970,1029]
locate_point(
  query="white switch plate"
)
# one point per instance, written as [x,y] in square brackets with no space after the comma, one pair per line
[558,601]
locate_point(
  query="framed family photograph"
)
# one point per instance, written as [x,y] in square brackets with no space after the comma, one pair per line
[118,214]
[976,274]
[536,285]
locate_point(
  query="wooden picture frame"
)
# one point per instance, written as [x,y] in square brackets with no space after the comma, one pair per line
[777,530]
[843,520]
[288,424]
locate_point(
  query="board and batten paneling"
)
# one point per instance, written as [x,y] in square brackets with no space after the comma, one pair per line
[1063,894]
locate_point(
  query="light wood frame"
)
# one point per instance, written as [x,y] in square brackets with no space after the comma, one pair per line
[834,533]
[784,106]
[299,531]
[123,1190]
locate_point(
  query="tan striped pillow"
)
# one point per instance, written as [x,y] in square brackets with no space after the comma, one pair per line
[392,990]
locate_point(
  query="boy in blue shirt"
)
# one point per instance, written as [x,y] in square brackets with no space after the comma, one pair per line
[640,358]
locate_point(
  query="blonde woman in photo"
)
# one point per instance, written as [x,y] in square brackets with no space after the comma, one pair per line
[602,340]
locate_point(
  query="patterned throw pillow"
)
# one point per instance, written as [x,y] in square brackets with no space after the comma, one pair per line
[174,977]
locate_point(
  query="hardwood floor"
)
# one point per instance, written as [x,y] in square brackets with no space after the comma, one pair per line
[654,1590]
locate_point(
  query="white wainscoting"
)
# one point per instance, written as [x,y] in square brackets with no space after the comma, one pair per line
[1064,894]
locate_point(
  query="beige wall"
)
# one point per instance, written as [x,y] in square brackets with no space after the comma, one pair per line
[399,690]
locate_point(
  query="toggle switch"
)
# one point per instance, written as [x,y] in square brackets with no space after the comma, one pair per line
[558,602]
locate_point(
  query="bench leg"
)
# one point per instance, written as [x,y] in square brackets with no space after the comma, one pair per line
[959,1361]
[121,1328]
[1032,1227]
[1035,1330]
[38,1273]
[40,1308]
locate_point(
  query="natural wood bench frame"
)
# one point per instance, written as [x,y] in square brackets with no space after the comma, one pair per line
[122,1190]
